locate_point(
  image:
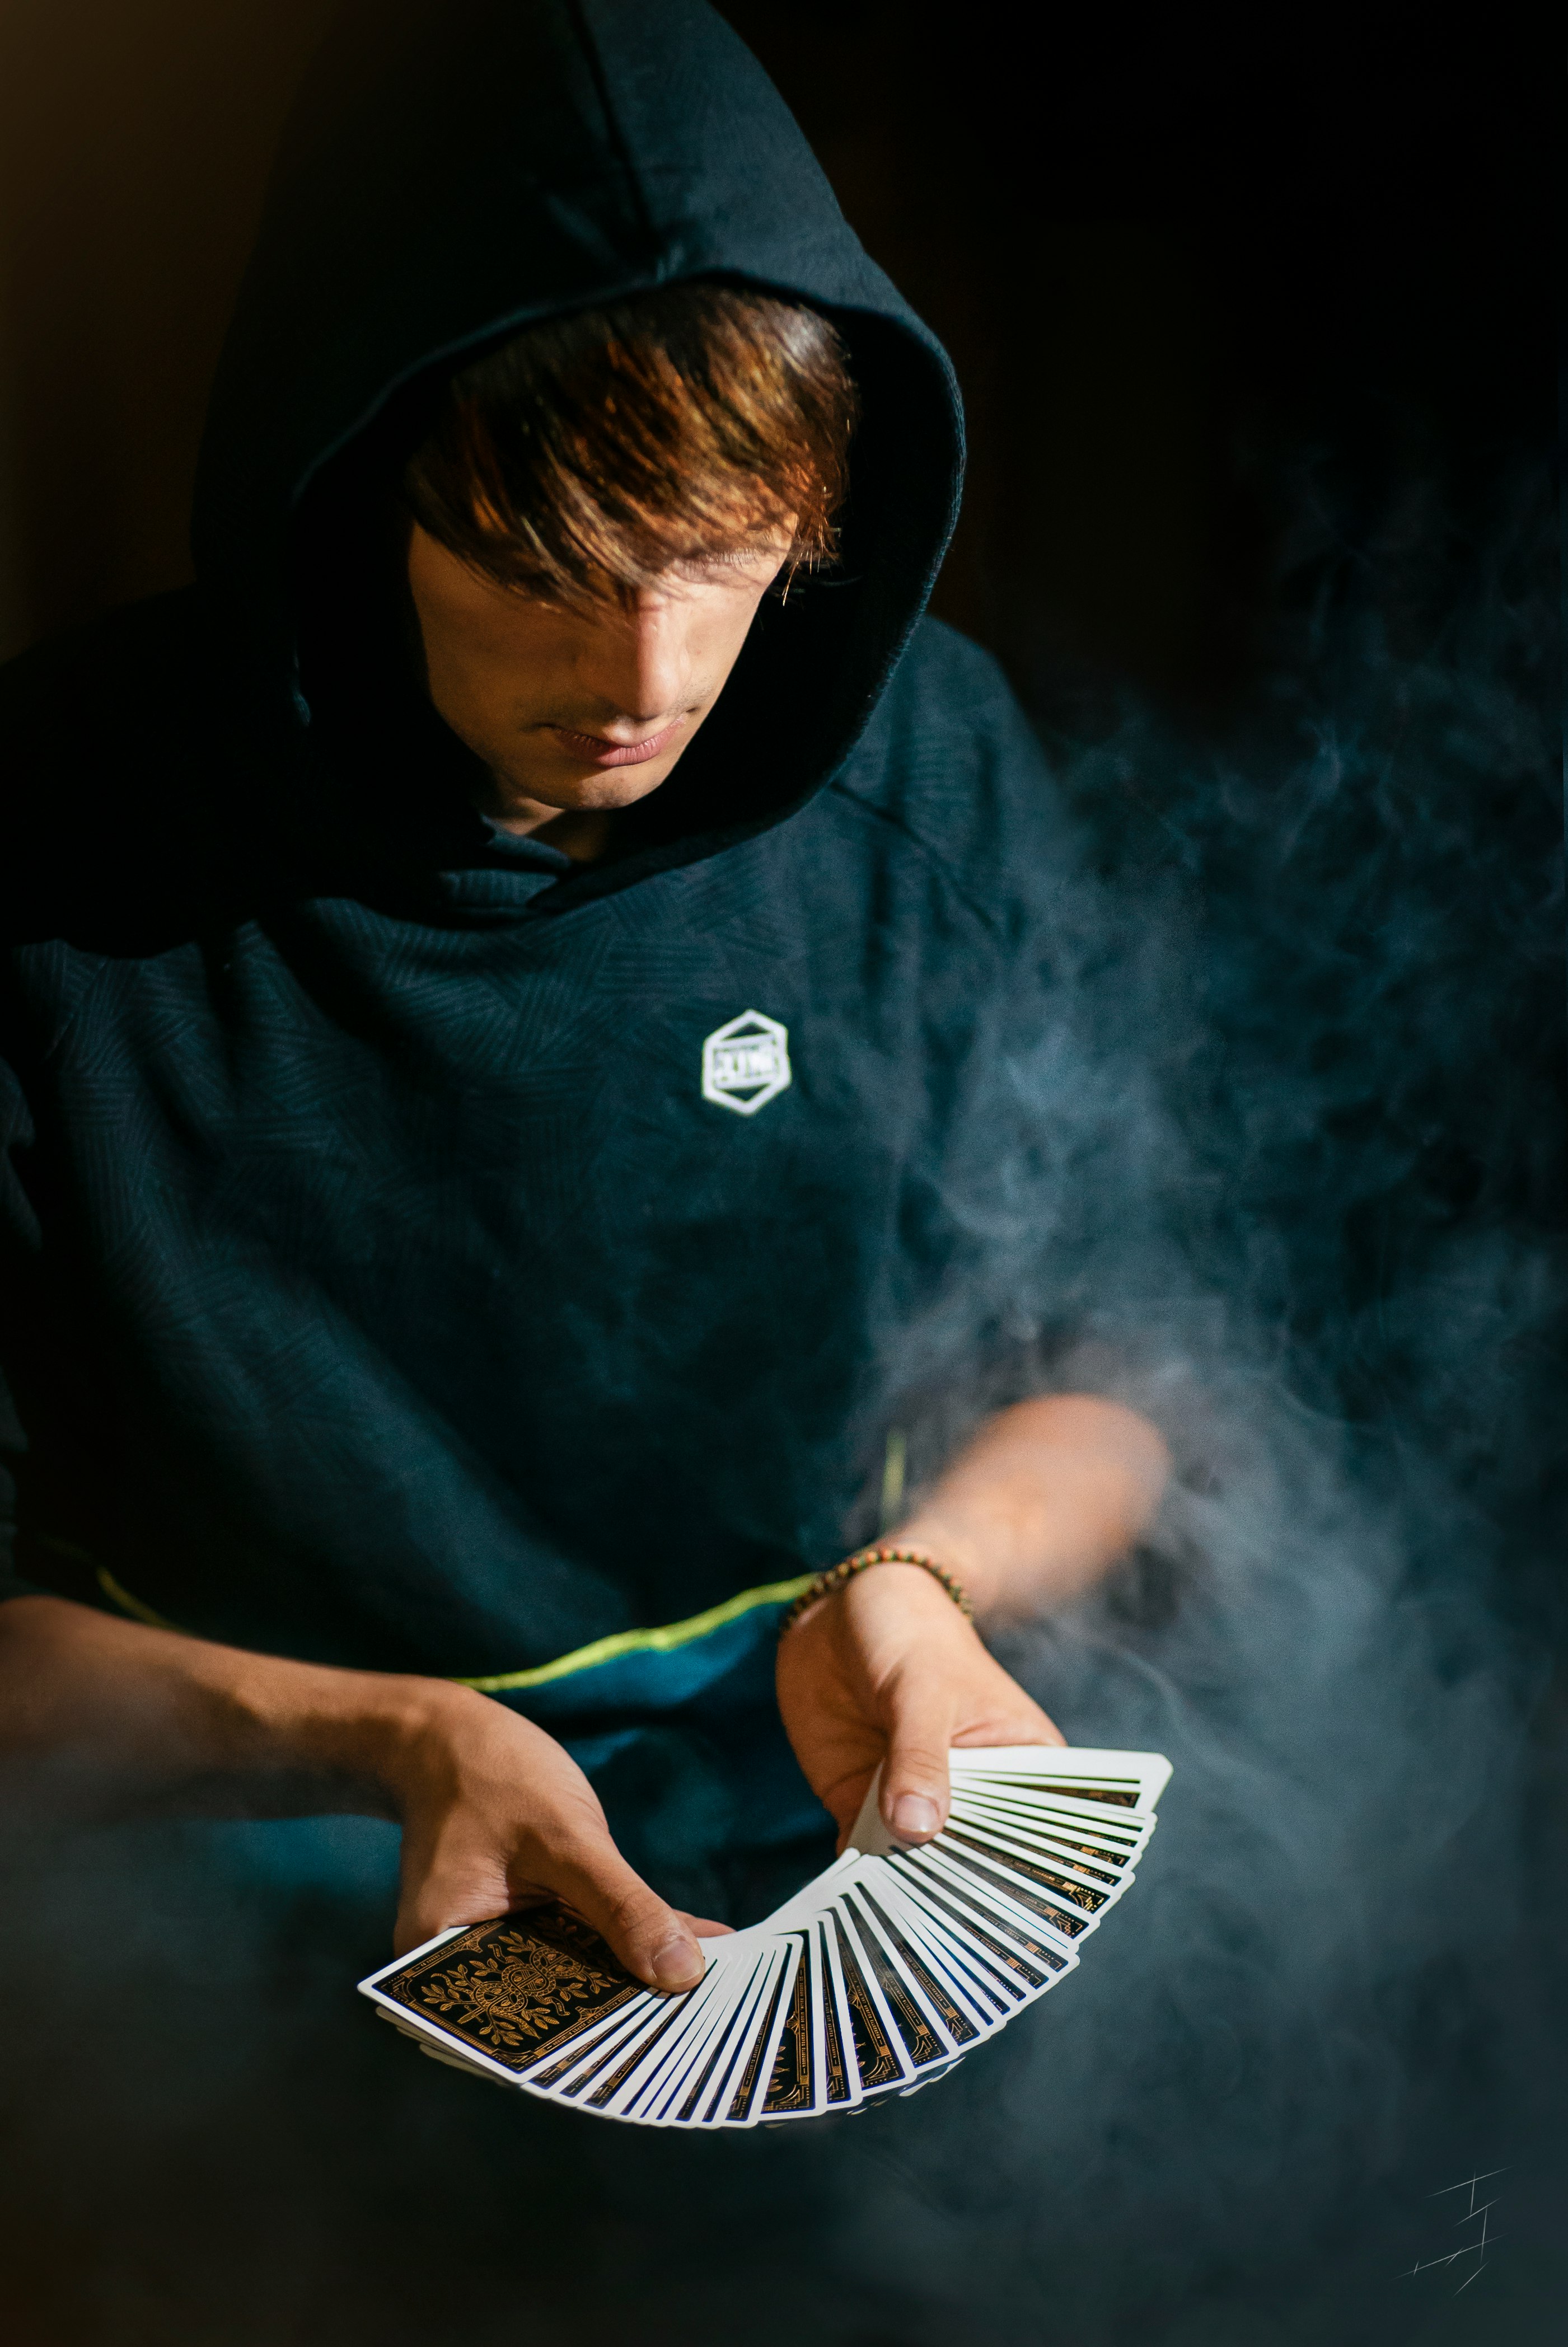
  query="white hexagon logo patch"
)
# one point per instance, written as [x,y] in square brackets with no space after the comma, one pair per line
[746,1063]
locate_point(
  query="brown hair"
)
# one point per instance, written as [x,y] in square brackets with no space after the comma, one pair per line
[583,458]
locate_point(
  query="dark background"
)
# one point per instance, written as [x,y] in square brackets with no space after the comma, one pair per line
[1253,321]
[1165,253]
[1168,252]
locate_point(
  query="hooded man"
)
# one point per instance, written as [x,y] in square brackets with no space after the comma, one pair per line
[507,993]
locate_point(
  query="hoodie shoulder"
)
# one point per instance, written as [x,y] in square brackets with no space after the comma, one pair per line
[952,759]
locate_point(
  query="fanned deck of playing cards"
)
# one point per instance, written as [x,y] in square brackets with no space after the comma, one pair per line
[875,1979]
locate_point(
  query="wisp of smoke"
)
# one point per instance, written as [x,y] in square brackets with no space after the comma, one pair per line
[1283,1145]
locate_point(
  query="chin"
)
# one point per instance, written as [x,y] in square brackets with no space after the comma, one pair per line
[617,786]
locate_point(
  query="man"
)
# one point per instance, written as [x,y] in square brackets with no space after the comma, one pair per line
[507,985]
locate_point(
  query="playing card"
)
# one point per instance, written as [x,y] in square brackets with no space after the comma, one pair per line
[1082,1833]
[653,2094]
[700,2095]
[915,2033]
[1122,1841]
[990,1992]
[1122,1828]
[1016,1857]
[998,1933]
[576,2075]
[654,2091]
[661,2060]
[841,2087]
[795,2086]
[873,1980]
[1110,1780]
[667,2071]
[875,2061]
[1110,1870]
[950,1863]
[441,2049]
[607,2079]
[756,2073]
[744,2057]
[949,1992]
[514,1990]
[1068,1906]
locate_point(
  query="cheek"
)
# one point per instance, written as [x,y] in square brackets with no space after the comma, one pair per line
[482,675]
[725,631]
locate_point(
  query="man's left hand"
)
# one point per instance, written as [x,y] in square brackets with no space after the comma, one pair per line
[888,1668]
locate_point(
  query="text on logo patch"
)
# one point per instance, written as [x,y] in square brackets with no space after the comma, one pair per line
[746,1063]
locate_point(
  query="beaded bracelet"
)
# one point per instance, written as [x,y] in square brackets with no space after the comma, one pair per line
[837,1574]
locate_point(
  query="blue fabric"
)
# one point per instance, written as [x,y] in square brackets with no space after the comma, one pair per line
[735,1662]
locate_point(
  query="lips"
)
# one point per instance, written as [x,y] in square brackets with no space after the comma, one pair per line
[593,750]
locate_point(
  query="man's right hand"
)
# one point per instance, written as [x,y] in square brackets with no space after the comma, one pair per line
[102,1716]
[495,1815]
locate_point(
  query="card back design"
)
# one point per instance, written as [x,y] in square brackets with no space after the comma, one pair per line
[741,2104]
[790,2087]
[980,1923]
[874,2055]
[1060,1919]
[959,2028]
[1112,1797]
[920,2037]
[834,2069]
[517,1989]
[1081,1894]
[722,2051]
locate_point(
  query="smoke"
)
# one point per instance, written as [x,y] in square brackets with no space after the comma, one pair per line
[1271,1149]
[1285,1174]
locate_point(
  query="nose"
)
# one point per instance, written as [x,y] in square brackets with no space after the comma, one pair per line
[640,663]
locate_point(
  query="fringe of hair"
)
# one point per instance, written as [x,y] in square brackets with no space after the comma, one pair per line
[589,457]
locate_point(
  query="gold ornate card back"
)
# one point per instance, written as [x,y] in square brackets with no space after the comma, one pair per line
[518,1987]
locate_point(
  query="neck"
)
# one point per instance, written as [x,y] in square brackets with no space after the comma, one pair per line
[581,833]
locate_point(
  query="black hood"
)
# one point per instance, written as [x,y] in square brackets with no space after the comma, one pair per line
[456,168]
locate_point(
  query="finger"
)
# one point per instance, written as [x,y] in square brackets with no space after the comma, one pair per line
[914,1796]
[651,1939]
[1028,1724]
[415,1924]
[435,1900]
[703,1925]
[844,1800]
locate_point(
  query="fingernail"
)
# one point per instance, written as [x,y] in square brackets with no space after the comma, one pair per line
[678,1964]
[914,1814]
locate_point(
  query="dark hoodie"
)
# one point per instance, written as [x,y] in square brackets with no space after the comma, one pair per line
[395,1270]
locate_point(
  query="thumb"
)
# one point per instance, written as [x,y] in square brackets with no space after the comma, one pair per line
[650,1938]
[914,1796]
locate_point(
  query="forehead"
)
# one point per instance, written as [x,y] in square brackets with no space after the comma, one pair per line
[437,571]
